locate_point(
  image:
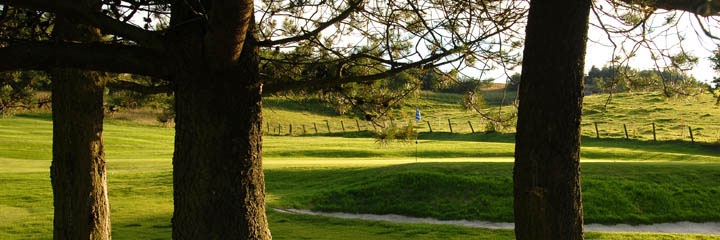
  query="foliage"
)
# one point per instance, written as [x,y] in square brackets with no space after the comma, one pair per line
[624,79]
[491,127]
[514,82]
[393,133]
[133,99]
[713,89]
[17,90]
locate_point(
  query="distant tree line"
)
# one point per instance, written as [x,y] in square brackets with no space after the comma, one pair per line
[437,81]
[626,79]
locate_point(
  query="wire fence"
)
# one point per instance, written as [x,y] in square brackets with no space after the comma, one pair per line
[663,130]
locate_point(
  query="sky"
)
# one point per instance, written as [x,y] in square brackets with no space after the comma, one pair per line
[600,51]
[699,45]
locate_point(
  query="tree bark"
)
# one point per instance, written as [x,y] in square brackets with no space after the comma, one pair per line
[219,186]
[548,203]
[77,172]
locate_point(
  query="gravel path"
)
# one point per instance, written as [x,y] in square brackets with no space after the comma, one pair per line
[678,227]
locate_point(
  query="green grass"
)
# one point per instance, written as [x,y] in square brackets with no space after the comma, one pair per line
[342,173]
[633,193]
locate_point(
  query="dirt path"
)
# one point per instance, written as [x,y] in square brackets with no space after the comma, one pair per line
[679,227]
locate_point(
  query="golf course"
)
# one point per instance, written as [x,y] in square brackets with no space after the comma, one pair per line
[465,175]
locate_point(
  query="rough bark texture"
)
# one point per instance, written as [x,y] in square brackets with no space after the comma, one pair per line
[548,203]
[219,188]
[78,172]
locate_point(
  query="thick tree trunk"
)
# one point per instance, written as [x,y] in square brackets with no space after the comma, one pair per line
[78,172]
[219,188]
[548,204]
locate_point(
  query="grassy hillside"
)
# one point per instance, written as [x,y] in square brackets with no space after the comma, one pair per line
[637,111]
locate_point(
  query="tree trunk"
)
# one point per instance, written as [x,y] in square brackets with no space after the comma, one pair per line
[77,173]
[219,186]
[548,203]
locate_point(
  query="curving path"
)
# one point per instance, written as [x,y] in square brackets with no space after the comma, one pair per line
[678,227]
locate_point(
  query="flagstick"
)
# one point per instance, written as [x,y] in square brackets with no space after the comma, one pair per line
[417,119]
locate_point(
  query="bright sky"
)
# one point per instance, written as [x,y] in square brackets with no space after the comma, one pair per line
[599,49]
[699,45]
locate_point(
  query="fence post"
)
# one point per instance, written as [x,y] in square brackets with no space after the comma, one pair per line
[654,137]
[358,124]
[279,129]
[626,134]
[304,132]
[430,127]
[691,134]
[268,126]
[342,125]
[315,125]
[291,129]
[450,124]
[471,128]
[597,132]
[328,125]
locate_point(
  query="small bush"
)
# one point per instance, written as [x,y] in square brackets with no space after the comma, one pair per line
[393,133]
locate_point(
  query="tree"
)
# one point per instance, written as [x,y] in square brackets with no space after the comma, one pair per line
[209,52]
[547,150]
[514,81]
[547,189]
[79,177]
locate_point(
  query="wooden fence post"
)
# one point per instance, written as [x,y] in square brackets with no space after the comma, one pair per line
[691,134]
[450,124]
[597,132]
[471,128]
[654,137]
[342,125]
[626,134]
[304,132]
[315,125]
[268,126]
[279,129]
[328,125]
[358,124]
[430,127]
[291,129]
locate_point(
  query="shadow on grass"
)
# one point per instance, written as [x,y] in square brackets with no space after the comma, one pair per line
[439,136]
[155,227]
[682,148]
[38,116]
[631,193]
[324,154]
[671,146]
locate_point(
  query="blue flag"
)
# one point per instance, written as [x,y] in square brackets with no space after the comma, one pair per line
[417,114]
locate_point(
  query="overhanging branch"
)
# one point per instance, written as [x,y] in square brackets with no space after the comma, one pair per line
[148,39]
[354,6]
[88,56]
[700,7]
[331,82]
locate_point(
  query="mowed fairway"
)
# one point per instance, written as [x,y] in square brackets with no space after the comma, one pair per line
[462,176]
